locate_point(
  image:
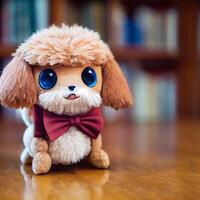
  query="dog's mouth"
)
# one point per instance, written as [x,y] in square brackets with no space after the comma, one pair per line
[72,97]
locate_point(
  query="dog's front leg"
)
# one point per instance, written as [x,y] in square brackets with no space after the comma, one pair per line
[41,163]
[98,157]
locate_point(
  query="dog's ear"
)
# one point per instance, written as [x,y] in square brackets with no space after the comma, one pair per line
[115,91]
[17,85]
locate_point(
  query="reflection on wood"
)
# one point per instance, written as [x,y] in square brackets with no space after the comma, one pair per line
[148,161]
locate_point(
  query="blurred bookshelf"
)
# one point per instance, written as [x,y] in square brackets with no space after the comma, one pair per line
[157,39]
[131,53]
[7,50]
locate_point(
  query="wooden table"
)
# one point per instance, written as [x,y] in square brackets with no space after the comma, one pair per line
[149,161]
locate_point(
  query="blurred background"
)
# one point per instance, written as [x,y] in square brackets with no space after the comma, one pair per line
[155,41]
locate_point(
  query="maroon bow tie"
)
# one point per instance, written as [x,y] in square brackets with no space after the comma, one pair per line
[53,125]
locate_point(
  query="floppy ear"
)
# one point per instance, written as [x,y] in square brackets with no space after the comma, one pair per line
[115,91]
[17,85]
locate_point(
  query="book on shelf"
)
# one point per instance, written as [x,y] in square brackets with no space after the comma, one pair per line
[145,27]
[91,15]
[154,95]
[20,18]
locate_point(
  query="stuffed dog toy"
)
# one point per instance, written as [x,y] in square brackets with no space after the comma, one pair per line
[61,76]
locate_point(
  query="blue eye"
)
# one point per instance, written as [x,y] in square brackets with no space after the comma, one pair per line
[89,77]
[47,79]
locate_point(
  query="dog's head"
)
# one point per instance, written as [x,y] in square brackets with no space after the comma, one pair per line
[65,70]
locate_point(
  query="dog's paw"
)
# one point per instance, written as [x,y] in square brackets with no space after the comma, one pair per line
[99,159]
[41,163]
[38,145]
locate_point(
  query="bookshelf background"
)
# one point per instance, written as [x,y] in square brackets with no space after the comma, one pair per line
[156,37]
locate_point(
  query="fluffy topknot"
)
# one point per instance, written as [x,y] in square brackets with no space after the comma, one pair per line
[70,46]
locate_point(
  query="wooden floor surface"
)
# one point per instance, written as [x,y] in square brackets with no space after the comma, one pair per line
[148,161]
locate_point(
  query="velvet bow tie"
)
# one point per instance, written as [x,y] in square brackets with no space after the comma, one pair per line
[51,125]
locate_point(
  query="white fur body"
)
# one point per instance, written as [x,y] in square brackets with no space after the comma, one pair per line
[69,148]
[73,145]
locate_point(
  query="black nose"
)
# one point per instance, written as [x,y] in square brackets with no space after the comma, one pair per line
[71,87]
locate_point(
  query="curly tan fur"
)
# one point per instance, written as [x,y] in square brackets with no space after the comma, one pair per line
[70,46]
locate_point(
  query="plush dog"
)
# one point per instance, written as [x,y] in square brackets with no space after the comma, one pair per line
[62,75]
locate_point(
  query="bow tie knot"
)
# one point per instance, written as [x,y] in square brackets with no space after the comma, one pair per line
[74,121]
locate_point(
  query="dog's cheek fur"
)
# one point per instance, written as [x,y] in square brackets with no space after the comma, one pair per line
[115,91]
[54,102]
[18,88]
